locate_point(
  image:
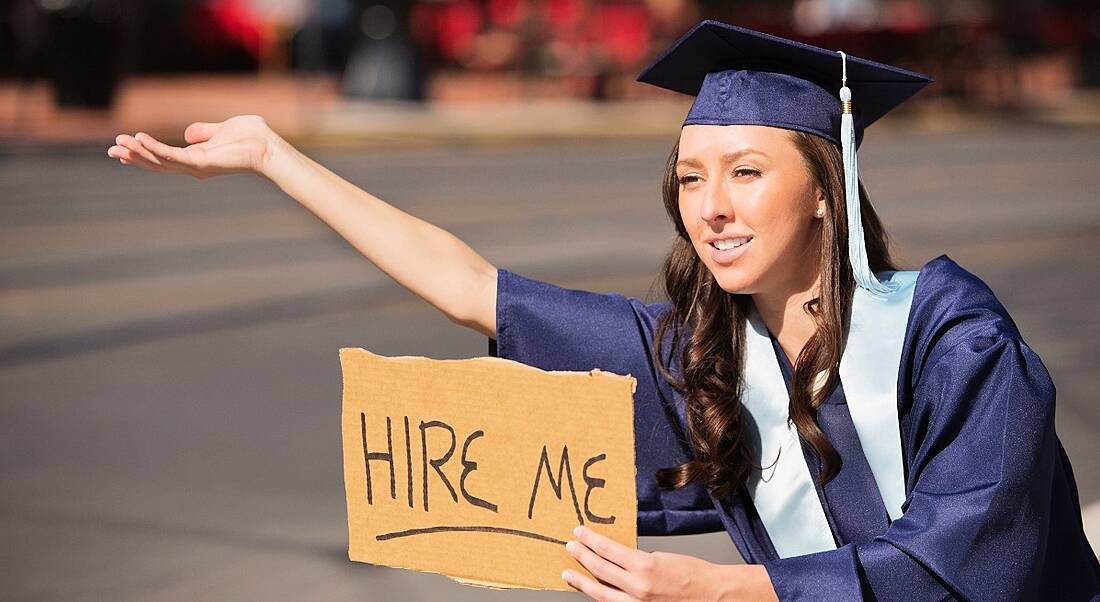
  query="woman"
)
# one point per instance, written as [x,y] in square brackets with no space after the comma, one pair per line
[858,431]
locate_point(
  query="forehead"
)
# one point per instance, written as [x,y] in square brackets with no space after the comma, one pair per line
[702,142]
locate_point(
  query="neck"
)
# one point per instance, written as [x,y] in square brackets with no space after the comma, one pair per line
[783,313]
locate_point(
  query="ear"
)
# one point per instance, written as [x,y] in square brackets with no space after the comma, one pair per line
[820,208]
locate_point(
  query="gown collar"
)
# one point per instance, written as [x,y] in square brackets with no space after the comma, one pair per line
[781,488]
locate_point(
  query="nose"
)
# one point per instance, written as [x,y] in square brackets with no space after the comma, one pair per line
[716,207]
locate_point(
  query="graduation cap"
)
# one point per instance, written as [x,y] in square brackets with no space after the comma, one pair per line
[741,76]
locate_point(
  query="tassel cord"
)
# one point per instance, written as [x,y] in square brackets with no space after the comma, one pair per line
[857,248]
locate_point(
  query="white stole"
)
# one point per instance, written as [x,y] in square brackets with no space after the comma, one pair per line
[784,493]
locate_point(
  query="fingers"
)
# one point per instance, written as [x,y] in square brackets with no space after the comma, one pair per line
[128,156]
[629,558]
[164,152]
[600,567]
[594,589]
[137,149]
[200,131]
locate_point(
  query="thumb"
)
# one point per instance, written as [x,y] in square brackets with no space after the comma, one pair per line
[199,131]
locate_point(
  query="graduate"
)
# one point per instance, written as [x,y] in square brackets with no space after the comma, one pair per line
[859,431]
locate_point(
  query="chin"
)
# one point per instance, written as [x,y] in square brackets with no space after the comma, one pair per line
[733,280]
[736,279]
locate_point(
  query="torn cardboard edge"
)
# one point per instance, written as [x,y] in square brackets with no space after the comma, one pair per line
[581,422]
[491,359]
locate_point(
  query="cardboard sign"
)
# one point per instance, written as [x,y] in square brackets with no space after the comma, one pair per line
[479,469]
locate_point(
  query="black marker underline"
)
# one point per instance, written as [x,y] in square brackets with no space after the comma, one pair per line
[469,529]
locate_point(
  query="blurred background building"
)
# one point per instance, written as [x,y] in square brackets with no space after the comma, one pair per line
[999,53]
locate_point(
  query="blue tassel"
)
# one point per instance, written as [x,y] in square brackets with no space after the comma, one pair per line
[857,248]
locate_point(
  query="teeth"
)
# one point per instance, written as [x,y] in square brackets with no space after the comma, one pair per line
[730,243]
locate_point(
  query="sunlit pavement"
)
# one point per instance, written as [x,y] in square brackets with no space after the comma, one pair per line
[169,381]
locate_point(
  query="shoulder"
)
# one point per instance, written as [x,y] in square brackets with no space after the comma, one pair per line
[952,306]
[963,352]
[531,304]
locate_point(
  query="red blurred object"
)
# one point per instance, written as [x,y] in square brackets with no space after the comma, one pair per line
[565,17]
[622,28]
[219,24]
[453,26]
[505,13]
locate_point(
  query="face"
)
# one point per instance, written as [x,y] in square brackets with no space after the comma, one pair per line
[750,206]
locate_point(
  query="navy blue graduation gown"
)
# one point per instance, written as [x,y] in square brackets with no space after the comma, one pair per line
[991,509]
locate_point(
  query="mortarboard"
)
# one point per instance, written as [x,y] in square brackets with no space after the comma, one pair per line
[741,76]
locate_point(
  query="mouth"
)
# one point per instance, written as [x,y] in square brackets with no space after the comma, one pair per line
[726,244]
[727,251]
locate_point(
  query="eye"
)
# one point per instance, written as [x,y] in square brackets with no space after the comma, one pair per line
[687,179]
[747,171]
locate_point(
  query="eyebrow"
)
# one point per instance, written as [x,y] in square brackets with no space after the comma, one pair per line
[729,157]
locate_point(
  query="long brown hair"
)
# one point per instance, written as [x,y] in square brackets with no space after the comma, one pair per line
[708,328]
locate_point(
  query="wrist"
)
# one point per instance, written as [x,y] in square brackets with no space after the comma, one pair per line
[273,150]
[739,582]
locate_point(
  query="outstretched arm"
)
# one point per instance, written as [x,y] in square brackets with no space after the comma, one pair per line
[427,260]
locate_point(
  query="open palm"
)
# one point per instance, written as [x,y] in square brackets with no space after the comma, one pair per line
[238,144]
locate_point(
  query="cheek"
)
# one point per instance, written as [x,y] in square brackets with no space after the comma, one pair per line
[782,214]
[689,216]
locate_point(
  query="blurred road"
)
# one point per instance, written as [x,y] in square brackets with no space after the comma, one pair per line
[169,380]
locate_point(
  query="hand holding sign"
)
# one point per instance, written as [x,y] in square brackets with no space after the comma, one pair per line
[624,574]
[447,457]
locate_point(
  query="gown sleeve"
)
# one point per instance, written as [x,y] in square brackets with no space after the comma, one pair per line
[982,457]
[555,328]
